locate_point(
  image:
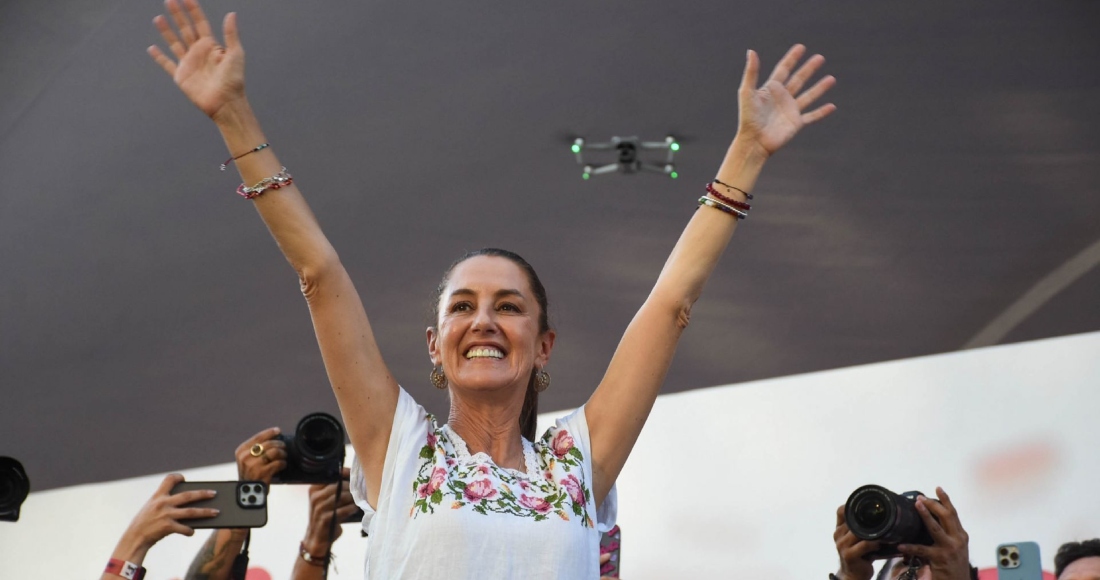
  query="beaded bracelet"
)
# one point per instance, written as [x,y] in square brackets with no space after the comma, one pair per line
[723,207]
[728,186]
[728,200]
[276,181]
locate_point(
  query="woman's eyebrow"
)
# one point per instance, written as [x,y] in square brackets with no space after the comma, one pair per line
[497,294]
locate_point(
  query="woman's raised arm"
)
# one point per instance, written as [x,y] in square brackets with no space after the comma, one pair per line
[212,77]
[769,117]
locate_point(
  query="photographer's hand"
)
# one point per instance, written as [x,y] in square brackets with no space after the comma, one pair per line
[852,550]
[159,517]
[317,541]
[949,555]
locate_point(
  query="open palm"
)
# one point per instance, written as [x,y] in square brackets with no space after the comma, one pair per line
[771,115]
[209,74]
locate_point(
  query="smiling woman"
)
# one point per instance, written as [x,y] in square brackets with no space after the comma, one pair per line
[480,496]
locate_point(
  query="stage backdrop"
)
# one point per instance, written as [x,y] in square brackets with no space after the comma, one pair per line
[739,481]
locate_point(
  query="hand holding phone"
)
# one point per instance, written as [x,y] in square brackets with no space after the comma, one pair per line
[162,515]
[237,504]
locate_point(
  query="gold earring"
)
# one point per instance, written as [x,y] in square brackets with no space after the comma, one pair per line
[542,380]
[439,380]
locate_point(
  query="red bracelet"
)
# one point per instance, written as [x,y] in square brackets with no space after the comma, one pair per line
[737,204]
[128,570]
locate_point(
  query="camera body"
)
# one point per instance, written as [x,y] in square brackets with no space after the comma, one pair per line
[14,487]
[315,452]
[875,513]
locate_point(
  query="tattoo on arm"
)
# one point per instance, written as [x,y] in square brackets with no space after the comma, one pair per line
[215,560]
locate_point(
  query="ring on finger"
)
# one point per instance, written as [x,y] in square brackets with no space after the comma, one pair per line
[257,450]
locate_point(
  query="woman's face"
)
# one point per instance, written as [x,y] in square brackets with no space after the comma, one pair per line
[487,335]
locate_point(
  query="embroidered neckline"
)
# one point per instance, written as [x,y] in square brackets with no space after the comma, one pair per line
[462,453]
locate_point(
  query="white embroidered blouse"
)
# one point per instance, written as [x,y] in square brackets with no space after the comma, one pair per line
[444,513]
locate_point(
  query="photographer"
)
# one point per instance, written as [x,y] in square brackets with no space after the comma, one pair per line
[160,516]
[946,559]
[258,459]
[1078,560]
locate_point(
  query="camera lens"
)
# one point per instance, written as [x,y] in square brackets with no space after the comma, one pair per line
[251,499]
[1004,551]
[1004,562]
[319,440]
[14,484]
[870,512]
[1015,556]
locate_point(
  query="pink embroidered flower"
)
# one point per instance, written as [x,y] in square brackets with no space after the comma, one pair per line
[562,443]
[524,485]
[479,490]
[535,503]
[432,440]
[484,469]
[573,486]
[434,483]
[439,475]
[450,462]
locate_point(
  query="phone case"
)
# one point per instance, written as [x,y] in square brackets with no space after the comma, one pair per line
[1019,561]
[610,542]
[243,504]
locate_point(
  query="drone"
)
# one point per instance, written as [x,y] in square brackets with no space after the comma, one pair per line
[627,149]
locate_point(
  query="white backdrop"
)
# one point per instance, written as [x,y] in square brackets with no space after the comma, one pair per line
[739,481]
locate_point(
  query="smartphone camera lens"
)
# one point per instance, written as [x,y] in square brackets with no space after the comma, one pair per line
[1015,556]
[1004,551]
[252,499]
[1004,562]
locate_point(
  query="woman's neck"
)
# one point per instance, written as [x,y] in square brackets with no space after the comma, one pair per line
[489,426]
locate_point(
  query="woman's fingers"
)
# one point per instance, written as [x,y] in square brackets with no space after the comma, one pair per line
[229,29]
[813,93]
[752,71]
[193,513]
[202,25]
[786,64]
[169,36]
[191,496]
[165,63]
[804,73]
[187,32]
[818,114]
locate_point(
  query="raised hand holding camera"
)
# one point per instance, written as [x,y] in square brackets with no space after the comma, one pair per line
[949,555]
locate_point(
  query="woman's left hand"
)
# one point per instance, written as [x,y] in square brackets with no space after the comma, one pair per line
[774,113]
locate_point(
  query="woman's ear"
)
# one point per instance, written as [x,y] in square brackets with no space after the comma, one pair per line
[546,344]
[433,346]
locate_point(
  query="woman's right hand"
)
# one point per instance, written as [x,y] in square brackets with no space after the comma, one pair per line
[211,75]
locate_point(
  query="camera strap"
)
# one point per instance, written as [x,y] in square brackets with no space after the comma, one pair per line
[911,572]
[240,563]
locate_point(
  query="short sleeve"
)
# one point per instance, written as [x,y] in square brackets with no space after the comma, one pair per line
[576,423]
[408,421]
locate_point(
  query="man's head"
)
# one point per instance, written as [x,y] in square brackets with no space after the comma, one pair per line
[895,567]
[1078,561]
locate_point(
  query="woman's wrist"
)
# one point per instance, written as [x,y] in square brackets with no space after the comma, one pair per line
[742,165]
[315,544]
[131,549]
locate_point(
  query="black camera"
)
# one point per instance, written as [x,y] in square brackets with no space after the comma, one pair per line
[878,514]
[315,452]
[14,487]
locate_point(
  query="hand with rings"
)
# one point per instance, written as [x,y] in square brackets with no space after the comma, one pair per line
[261,456]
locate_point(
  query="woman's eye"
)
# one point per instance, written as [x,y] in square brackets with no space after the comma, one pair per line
[508,306]
[460,307]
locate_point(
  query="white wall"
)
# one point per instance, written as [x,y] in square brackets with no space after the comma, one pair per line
[742,481]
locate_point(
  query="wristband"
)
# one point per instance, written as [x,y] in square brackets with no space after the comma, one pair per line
[310,558]
[128,570]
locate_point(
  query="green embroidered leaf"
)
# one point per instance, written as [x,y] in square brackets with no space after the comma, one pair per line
[576,453]
[425,452]
[480,509]
[539,517]
[576,509]
[460,484]
[437,496]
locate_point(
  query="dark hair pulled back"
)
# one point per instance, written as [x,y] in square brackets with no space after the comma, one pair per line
[528,417]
